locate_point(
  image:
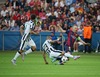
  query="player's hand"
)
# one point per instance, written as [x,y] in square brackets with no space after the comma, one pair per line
[37,32]
[88,44]
[46,63]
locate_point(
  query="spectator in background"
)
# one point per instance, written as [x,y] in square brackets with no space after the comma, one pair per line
[63,15]
[4,11]
[7,17]
[12,12]
[52,28]
[3,25]
[68,2]
[22,3]
[98,15]
[65,27]
[87,34]
[53,22]
[27,7]
[28,1]
[15,27]
[80,30]
[57,26]
[72,8]
[28,14]
[11,22]
[53,37]
[7,3]
[21,12]
[44,4]
[18,21]
[38,27]
[9,8]
[60,42]
[71,23]
[59,3]
[42,14]
[45,27]
[48,13]
[16,15]
[56,12]
[78,22]
[15,4]
[97,29]
[31,3]
[35,11]
[52,16]
[37,3]
[0,27]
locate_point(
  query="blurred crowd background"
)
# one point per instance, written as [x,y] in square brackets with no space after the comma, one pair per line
[50,14]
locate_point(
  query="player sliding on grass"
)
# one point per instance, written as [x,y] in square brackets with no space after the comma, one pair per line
[26,39]
[53,53]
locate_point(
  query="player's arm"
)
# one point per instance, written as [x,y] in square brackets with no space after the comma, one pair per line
[53,41]
[21,29]
[33,32]
[44,57]
[83,41]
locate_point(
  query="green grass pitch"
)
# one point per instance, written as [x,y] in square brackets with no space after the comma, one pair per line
[33,66]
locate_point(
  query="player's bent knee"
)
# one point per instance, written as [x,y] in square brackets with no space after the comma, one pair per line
[63,53]
[19,52]
[33,48]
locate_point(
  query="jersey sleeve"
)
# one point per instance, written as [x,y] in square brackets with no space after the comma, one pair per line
[79,38]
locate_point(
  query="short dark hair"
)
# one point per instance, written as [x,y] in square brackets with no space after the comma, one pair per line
[33,17]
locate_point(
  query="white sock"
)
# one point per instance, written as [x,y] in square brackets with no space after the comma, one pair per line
[16,56]
[68,55]
[28,51]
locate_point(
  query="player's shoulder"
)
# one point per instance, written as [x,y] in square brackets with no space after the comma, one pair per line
[27,22]
[31,22]
[48,40]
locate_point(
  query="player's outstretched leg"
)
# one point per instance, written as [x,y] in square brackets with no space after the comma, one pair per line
[27,52]
[23,56]
[13,62]
[76,57]
[15,57]
[71,56]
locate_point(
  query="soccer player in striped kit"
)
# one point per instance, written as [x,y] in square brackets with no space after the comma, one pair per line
[53,53]
[26,39]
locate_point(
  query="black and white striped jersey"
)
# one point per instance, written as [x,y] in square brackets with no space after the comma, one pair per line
[28,26]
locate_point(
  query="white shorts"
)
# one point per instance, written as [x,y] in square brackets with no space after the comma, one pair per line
[55,53]
[26,43]
[80,43]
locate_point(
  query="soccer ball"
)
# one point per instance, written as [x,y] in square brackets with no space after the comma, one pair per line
[64,59]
